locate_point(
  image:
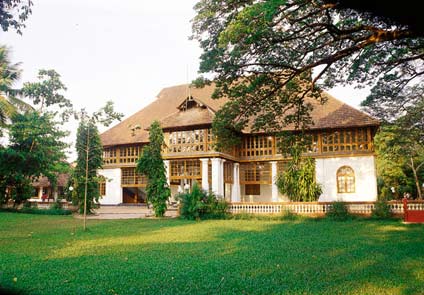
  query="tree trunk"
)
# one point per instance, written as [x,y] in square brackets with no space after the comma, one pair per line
[417,183]
[86,177]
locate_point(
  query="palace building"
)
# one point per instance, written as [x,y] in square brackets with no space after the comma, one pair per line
[342,147]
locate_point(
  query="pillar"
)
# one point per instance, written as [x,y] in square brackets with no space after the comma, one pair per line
[274,188]
[40,192]
[217,176]
[205,174]
[235,193]
[167,168]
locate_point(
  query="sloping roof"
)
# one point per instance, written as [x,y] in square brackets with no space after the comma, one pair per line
[43,181]
[337,114]
[333,114]
[165,104]
[195,116]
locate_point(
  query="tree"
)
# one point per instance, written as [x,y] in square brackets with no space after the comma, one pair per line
[297,182]
[9,74]
[89,157]
[47,93]
[36,148]
[14,13]
[400,152]
[151,164]
[258,51]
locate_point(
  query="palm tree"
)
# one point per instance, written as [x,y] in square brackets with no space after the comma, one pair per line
[9,74]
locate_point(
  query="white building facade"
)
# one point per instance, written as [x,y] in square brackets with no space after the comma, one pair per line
[342,147]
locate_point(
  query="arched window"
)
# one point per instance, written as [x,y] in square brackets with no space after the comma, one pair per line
[345,180]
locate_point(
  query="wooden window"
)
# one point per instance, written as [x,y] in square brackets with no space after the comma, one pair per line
[129,154]
[346,140]
[345,180]
[190,141]
[186,169]
[130,178]
[252,189]
[110,155]
[228,172]
[255,173]
[102,186]
[257,146]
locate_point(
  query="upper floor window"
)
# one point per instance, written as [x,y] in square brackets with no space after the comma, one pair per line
[257,146]
[345,180]
[346,140]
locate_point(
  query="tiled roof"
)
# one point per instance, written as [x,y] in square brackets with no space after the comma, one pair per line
[333,114]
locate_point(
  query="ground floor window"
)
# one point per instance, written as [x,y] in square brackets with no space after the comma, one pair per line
[186,169]
[345,180]
[102,186]
[255,173]
[253,189]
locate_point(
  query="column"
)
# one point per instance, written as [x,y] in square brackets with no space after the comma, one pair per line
[40,192]
[167,167]
[217,177]
[235,193]
[205,174]
[274,188]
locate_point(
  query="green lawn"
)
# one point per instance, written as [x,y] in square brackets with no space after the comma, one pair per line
[52,255]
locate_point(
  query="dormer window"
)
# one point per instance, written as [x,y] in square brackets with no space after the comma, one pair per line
[189,103]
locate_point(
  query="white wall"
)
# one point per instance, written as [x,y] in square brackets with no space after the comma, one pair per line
[365,178]
[113,186]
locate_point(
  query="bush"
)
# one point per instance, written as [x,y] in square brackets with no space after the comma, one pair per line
[381,210]
[56,205]
[37,211]
[26,204]
[201,205]
[339,212]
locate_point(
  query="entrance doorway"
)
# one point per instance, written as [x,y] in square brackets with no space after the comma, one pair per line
[134,195]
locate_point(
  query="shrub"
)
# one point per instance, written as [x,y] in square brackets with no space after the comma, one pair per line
[26,204]
[200,204]
[37,211]
[381,210]
[339,211]
[56,205]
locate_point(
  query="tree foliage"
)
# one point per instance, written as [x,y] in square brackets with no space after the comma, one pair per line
[14,13]
[47,92]
[9,103]
[400,152]
[151,164]
[275,44]
[297,181]
[36,148]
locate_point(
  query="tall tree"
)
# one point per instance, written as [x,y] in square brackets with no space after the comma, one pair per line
[89,157]
[14,13]
[151,164]
[275,44]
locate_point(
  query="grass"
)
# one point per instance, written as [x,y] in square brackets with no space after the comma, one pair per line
[52,255]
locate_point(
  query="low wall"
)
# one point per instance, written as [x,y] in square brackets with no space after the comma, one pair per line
[318,208]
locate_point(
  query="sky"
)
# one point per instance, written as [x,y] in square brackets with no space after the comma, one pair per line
[125,51]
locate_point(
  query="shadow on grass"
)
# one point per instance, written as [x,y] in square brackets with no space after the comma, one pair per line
[230,256]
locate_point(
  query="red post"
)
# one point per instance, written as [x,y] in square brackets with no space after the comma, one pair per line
[405,209]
